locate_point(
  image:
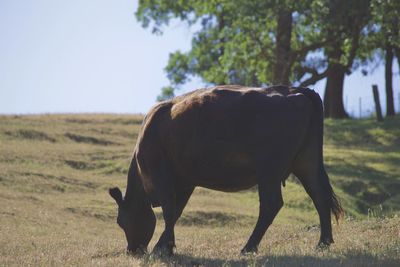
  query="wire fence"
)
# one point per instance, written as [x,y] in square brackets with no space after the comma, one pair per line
[364,106]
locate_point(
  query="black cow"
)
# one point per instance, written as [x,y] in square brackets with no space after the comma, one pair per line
[227,138]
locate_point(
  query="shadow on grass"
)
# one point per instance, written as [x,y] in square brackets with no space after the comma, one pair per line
[370,186]
[113,254]
[365,134]
[215,219]
[351,258]
[31,135]
[347,258]
[88,139]
[211,219]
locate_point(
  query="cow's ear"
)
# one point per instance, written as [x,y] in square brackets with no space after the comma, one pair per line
[116,194]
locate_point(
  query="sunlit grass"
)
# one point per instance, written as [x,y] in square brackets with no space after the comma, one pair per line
[55,210]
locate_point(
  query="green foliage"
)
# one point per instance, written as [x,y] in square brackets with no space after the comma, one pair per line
[237,40]
[381,29]
[166,93]
[236,43]
[386,17]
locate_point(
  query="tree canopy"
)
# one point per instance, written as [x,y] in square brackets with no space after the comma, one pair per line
[258,43]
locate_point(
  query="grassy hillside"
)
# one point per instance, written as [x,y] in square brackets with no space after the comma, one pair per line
[55,210]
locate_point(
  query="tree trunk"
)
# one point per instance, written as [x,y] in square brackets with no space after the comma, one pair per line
[389,80]
[333,99]
[283,49]
[397,52]
[378,109]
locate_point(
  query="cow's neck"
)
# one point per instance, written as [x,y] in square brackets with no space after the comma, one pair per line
[135,195]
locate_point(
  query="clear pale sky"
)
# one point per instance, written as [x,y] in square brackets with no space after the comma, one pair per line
[93,56]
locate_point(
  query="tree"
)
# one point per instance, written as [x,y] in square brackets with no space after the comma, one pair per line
[389,79]
[387,39]
[245,42]
[259,42]
[342,24]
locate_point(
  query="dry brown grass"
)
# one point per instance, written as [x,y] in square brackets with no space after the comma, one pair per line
[55,209]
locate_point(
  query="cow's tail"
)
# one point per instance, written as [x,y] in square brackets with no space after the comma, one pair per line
[318,125]
[336,207]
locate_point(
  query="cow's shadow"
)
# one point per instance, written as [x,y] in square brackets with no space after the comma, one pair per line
[350,258]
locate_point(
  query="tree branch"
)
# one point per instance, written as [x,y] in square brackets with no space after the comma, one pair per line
[353,51]
[305,49]
[315,77]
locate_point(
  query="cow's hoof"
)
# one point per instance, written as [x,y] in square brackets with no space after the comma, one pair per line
[139,252]
[249,251]
[163,251]
[324,244]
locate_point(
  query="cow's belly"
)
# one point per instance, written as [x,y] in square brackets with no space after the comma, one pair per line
[225,173]
[232,185]
[231,167]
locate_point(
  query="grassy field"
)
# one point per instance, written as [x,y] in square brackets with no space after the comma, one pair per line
[55,210]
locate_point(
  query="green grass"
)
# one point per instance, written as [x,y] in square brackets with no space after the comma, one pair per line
[55,210]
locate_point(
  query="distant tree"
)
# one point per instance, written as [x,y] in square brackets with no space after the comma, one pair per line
[386,38]
[343,25]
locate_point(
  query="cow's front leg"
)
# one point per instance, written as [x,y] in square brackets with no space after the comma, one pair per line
[166,243]
[270,203]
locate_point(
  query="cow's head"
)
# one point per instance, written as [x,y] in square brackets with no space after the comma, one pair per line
[137,219]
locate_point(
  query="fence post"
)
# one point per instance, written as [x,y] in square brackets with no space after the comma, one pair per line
[377,102]
[398,102]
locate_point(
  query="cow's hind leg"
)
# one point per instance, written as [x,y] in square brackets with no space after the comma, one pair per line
[316,183]
[270,196]
[172,206]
